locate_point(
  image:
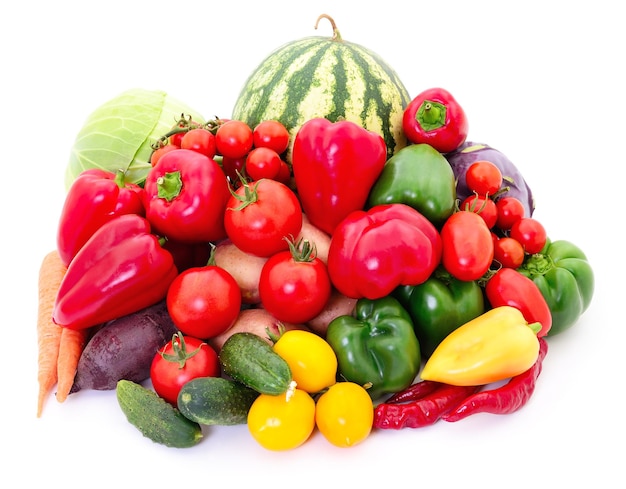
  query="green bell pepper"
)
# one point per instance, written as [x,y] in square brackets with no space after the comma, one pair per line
[376,346]
[565,278]
[418,176]
[439,306]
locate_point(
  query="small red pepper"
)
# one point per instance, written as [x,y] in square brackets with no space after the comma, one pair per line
[121,269]
[435,117]
[505,399]
[414,392]
[335,165]
[95,197]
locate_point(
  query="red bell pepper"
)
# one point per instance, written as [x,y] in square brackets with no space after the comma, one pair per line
[335,166]
[121,269]
[95,197]
[373,252]
[186,194]
[508,287]
[435,117]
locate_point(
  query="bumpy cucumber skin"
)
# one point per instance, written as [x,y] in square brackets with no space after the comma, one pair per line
[155,418]
[249,359]
[216,401]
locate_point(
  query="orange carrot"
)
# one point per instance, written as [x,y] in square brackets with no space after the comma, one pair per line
[51,273]
[72,343]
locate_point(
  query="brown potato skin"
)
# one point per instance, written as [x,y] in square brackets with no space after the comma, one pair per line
[316,236]
[337,305]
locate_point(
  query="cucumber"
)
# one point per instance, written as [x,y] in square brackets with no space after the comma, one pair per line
[216,401]
[155,418]
[249,359]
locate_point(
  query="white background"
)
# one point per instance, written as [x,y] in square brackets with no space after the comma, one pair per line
[541,81]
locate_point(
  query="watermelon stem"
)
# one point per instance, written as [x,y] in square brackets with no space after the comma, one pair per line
[336,35]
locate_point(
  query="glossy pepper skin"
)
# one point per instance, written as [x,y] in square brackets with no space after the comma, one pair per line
[376,345]
[419,176]
[373,252]
[121,269]
[566,280]
[335,165]
[496,345]
[185,197]
[435,117]
[439,306]
[95,197]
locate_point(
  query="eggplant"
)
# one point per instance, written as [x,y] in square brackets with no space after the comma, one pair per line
[469,152]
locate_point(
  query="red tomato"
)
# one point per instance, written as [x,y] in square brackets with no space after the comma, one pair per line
[157,153]
[200,140]
[510,209]
[483,206]
[204,301]
[271,134]
[284,174]
[530,233]
[467,246]
[483,177]
[260,215]
[183,358]
[294,287]
[508,252]
[234,139]
[263,163]
[231,166]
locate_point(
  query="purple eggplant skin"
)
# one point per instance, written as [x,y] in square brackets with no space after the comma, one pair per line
[124,349]
[469,152]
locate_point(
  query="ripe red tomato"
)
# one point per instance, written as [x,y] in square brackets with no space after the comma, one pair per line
[294,285]
[204,301]
[467,246]
[231,166]
[483,177]
[284,174]
[200,140]
[183,358]
[271,134]
[510,209]
[234,139]
[530,233]
[483,206]
[156,154]
[260,215]
[263,163]
[508,252]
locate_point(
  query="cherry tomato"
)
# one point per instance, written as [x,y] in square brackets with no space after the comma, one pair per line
[156,154]
[294,288]
[483,177]
[231,166]
[284,174]
[271,134]
[467,246]
[260,215]
[263,163]
[204,301]
[234,139]
[201,140]
[312,360]
[282,422]
[530,233]
[183,358]
[344,414]
[510,209]
[508,252]
[483,206]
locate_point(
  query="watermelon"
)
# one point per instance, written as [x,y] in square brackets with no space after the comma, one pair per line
[325,77]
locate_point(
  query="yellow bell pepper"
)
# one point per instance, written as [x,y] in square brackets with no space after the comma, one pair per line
[496,345]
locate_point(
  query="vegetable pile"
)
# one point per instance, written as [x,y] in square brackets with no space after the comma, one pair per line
[300,276]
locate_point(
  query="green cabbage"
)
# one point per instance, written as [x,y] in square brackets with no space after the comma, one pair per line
[119,134]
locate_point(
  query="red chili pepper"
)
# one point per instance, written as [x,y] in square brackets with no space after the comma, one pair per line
[95,197]
[422,412]
[505,399]
[415,392]
[121,269]
[335,165]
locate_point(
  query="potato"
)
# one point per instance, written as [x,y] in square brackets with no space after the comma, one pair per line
[253,321]
[315,235]
[244,267]
[337,305]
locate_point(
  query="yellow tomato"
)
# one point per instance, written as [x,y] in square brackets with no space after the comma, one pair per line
[344,414]
[282,422]
[312,360]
